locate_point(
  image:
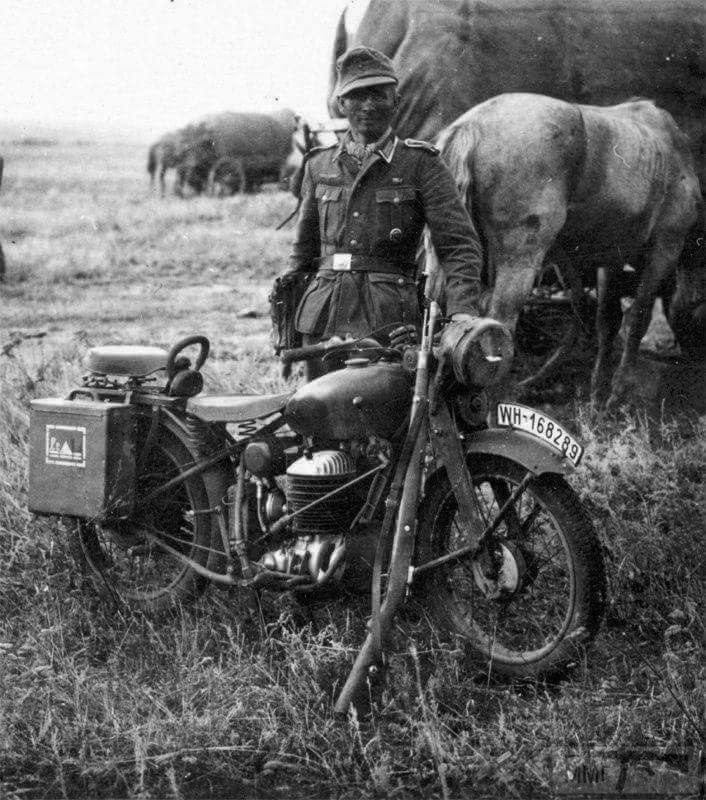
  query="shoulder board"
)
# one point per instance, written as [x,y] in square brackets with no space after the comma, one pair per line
[428,146]
[319,149]
[314,151]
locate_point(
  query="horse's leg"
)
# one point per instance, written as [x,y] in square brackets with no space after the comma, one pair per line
[659,263]
[180,180]
[242,178]
[211,182]
[685,308]
[516,254]
[514,275]
[608,318]
[514,278]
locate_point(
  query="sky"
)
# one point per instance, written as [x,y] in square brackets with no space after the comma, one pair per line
[147,66]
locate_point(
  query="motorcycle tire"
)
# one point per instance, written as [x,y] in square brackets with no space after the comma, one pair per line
[542,628]
[122,563]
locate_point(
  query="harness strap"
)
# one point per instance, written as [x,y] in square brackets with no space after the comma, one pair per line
[291,216]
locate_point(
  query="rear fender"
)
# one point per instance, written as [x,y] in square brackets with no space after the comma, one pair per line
[216,478]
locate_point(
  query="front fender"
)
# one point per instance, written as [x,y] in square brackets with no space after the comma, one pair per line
[513,445]
[519,447]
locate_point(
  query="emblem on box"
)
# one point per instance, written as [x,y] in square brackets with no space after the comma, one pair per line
[65,445]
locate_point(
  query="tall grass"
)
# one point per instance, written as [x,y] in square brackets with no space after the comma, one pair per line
[216,702]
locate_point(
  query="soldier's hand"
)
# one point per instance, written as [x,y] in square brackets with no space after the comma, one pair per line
[404,336]
[286,279]
[463,318]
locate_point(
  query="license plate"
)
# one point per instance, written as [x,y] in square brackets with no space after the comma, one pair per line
[542,427]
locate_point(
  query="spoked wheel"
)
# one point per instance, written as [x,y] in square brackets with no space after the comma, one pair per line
[124,561]
[549,323]
[527,613]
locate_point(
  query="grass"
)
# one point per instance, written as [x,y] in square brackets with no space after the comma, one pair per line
[101,704]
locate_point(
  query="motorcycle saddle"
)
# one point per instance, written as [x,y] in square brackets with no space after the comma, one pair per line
[236,407]
[134,361]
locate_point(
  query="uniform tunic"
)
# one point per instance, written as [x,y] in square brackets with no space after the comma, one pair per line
[377,216]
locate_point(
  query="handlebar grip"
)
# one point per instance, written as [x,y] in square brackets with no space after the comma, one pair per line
[306,353]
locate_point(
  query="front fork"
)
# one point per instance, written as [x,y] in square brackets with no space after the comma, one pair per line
[448,450]
[431,421]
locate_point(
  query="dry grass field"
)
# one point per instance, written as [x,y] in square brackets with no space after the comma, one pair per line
[95,703]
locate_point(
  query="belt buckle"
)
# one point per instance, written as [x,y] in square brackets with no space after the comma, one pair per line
[342,262]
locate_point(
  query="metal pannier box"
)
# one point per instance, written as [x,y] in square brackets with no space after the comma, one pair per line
[81,458]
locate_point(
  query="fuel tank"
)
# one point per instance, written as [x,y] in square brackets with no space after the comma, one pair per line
[352,403]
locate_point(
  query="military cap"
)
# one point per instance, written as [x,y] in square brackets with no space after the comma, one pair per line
[363,66]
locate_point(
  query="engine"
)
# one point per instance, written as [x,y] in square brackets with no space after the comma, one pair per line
[317,506]
[317,499]
[314,476]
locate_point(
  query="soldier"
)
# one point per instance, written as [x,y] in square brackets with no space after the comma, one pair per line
[364,204]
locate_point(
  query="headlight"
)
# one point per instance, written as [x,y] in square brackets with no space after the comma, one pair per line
[479,352]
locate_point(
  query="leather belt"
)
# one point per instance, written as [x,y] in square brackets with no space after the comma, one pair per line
[347,262]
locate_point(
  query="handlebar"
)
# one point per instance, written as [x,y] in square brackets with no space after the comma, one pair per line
[330,347]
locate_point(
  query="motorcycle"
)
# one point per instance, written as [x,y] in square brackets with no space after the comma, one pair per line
[383,476]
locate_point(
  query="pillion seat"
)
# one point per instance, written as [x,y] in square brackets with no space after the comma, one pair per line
[133,361]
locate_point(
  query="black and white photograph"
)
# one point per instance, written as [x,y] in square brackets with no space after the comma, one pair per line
[352,399]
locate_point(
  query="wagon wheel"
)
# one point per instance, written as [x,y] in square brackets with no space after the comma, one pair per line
[550,322]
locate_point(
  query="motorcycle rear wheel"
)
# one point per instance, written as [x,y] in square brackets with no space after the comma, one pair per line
[124,564]
[555,611]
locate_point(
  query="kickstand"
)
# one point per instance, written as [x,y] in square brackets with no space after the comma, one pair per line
[253,603]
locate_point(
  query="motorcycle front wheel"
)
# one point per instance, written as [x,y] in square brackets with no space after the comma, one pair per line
[554,609]
[125,562]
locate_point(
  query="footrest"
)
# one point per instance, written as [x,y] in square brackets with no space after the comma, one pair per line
[236,407]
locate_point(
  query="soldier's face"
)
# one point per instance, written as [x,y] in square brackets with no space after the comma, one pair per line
[369,111]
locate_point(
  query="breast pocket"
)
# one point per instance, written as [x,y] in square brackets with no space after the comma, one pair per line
[396,213]
[330,201]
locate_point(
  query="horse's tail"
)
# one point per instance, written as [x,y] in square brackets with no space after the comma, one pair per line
[457,144]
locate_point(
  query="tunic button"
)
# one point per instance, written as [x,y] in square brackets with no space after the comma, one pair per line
[356,214]
[396,200]
[400,281]
[354,242]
